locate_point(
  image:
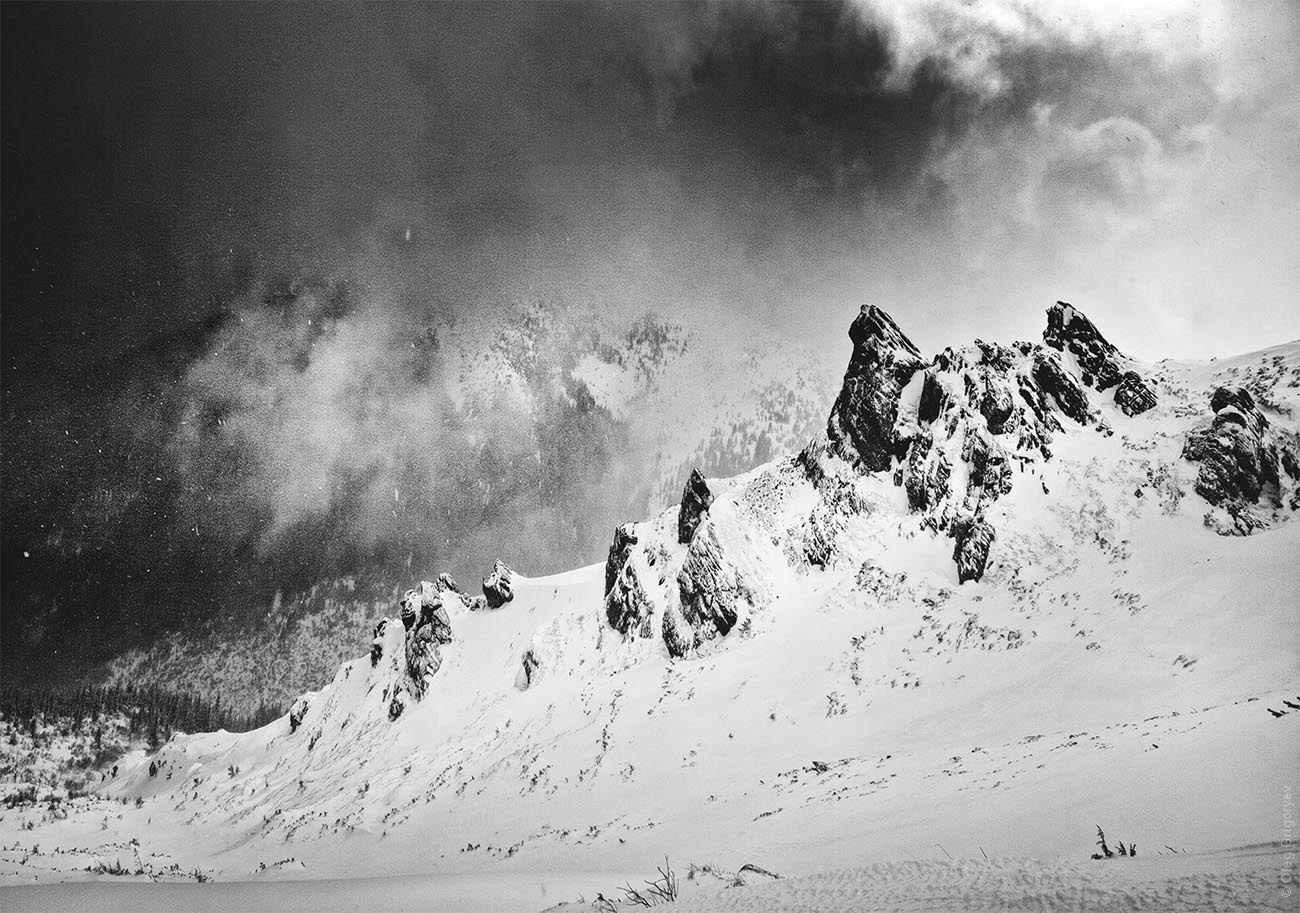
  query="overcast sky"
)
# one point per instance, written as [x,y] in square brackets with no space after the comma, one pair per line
[176,449]
[961,164]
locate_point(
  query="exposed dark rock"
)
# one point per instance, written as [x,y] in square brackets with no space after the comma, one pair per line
[1052,378]
[1237,463]
[297,713]
[1237,397]
[1068,330]
[974,539]
[626,605]
[423,658]
[377,642]
[619,551]
[1132,394]
[448,588]
[434,614]
[995,356]
[711,590]
[1103,365]
[932,398]
[821,532]
[397,704]
[1236,404]
[861,426]
[926,475]
[810,460]
[696,499]
[989,473]
[423,606]
[410,609]
[996,405]
[446,582]
[498,587]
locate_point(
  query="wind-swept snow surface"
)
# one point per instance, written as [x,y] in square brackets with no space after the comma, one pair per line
[808,685]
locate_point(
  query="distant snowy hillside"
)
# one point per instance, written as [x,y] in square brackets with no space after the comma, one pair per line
[1011,592]
[658,400]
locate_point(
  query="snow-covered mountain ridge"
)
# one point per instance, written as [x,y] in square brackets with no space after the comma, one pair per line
[519,386]
[1010,592]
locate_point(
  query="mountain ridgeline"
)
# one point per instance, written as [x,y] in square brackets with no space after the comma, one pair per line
[956,433]
[827,643]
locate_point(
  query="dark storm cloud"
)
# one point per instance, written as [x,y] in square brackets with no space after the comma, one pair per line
[211,305]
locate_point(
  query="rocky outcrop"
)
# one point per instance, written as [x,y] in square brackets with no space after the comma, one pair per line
[377,643]
[696,499]
[982,411]
[627,606]
[423,659]
[1053,380]
[498,586]
[1132,394]
[397,704]
[925,477]
[861,425]
[678,636]
[427,624]
[619,551]
[711,589]
[973,538]
[1068,330]
[425,604]
[297,713]
[1244,465]
[1103,365]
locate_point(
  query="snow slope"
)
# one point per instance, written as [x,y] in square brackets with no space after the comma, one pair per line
[1115,664]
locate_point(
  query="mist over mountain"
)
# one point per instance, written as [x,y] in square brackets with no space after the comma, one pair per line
[297,292]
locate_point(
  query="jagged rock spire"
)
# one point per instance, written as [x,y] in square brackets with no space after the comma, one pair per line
[1069,330]
[861,426]
[696,498]
[1103,365]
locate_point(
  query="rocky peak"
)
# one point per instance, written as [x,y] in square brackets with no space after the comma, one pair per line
[1069,330]
[861,425]
[987,408]
[1103,365]
[696,499]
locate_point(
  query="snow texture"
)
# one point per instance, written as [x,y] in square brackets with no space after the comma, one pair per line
[1017,616]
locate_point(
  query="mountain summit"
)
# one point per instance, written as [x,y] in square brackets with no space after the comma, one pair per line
[1012,590]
